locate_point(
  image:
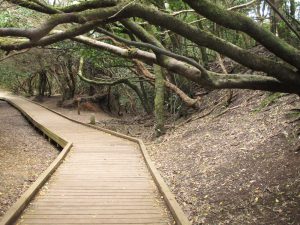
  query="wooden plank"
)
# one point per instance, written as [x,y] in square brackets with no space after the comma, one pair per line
[93,220]
[98,216]
[97,197]
[102,223]
[106,204]
[91,210]
[109,223]
[79,200]
[98,194]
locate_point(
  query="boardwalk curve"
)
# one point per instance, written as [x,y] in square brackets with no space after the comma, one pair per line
[106,178]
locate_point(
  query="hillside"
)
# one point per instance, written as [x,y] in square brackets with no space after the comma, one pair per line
[235,166]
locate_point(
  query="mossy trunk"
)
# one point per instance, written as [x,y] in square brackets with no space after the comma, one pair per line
[42,83]
[159,100]
[149,109]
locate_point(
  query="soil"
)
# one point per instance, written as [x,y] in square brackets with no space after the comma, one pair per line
[228,165]
[24,155]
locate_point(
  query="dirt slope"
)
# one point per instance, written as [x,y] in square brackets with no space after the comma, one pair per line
[24,154]
[240,167]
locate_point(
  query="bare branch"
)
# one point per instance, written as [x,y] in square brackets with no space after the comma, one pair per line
[48,9]
[36,34]
[242,5]
[237,7]
[184,97]
[58,36]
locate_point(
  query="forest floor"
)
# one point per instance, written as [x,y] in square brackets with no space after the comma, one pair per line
[24,155]
[234,165]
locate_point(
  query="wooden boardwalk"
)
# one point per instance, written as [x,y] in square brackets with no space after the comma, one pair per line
[103,180]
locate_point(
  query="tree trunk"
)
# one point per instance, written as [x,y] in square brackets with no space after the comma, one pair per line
[42,83]
[275,19]
[143,100]
[159,101]
[145,96]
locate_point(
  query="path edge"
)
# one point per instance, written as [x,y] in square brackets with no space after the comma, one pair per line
[18,207]
[172,204]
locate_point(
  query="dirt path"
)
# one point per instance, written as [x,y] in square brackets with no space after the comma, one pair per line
[84,117]
[24,154]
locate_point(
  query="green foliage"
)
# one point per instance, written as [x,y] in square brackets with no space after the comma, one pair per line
[269,100]
[9,78]
[293,115]
[5,19]
[176,5]
[19,17]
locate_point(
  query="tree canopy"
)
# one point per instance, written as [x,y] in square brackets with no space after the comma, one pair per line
[162,40]
[114,16]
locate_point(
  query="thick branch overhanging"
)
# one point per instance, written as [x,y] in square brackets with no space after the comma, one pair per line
[157,50]
[19,44]
[217,81]
[72,8]
[210,41]
[36,34]
[146,57]
[239,22]
[44,29]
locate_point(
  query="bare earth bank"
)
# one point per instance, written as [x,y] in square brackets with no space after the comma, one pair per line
[24,155]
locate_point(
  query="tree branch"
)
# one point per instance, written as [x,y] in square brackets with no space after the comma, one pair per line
[202,38]
[53,38]
[155,49]
[184,97]
[237,7]
[239,22]
[44,8]
[215,80]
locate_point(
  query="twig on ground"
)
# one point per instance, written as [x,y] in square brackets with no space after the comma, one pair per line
[14,54]
[226,110]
